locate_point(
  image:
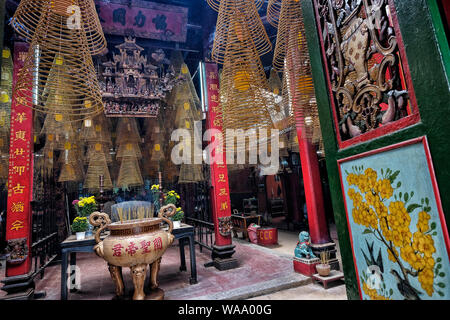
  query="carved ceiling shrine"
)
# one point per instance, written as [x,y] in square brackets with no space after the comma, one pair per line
[224,150]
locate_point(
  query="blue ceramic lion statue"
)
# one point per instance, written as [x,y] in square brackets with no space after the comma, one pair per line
[303,249]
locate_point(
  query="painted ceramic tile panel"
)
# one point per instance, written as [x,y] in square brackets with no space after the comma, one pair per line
[399,245]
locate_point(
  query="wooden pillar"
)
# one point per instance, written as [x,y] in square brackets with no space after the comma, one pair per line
[223,248]
[20,180]
[318,227]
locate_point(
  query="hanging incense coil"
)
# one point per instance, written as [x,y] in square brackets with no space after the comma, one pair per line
[237,24]
[302,94]
[65,79]
[273,11]
[191,173]
[185,116]
[292,56]
[68,173]
[127,131]
[282,116]
[185,108]
[129,173]
[58,132]
[126,150]
[215,4]
[96,130]
[157,151]
[70,156]
[94,148]
[29,13]
[97,167]
[290,35]
[184,75]
[244,91]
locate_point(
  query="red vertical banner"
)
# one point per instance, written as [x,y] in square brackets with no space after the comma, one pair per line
[20,177]
[220,193]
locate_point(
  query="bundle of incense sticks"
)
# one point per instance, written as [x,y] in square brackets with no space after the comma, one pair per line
[141,213]
[120,212]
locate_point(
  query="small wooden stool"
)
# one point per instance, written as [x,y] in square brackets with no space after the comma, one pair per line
[334,276]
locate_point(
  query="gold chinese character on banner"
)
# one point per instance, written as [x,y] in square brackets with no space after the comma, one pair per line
[221,177]
[216,109]
[213,86]
[214,98]
[212,75]
[224,206]
[18,189]
[19,152]
[19,170]
[20,135]
[21,117]
[17,207]
[223,192]
[16,225]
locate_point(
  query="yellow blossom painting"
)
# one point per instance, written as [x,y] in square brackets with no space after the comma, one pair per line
[395,221]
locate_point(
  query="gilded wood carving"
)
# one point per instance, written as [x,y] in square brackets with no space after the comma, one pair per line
[364,63]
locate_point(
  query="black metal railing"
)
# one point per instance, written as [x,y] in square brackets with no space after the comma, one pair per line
[203,233]
[45,242]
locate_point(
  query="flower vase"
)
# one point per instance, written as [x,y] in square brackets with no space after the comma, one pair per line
[90,230]
[176,224]
[81,235]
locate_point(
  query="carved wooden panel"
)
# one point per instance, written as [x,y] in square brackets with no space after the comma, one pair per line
[367,72]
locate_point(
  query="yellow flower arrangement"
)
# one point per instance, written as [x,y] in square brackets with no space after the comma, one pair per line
[85,201]
[171,197]
[80,224]
[85,206]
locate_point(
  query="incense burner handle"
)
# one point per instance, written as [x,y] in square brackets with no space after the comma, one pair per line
[167,212]
[169,222]
[99,219]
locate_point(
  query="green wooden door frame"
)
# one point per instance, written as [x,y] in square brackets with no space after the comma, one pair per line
[429,79]
[441,37]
